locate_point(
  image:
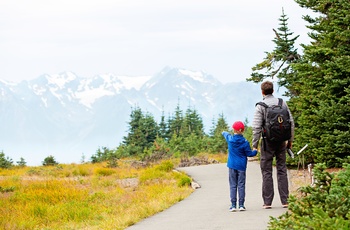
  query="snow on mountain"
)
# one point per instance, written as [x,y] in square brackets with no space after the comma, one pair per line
[134,82]
[68,116]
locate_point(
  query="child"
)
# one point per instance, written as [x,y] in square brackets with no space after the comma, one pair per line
[238,151]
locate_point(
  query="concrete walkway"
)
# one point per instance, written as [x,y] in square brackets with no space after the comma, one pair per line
[207,207]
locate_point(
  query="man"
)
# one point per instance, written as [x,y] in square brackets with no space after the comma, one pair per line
[270,149]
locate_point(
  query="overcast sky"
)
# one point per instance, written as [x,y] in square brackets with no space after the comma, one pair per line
[224,38]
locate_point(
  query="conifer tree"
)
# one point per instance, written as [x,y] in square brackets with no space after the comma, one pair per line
[175,123]
[323,82]
[150,129]
[21,162]
[192,123]
[143,130]
[5,162]
[163,128]
[277,63]
[217,141]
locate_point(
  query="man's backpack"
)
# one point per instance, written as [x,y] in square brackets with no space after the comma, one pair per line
[277,124]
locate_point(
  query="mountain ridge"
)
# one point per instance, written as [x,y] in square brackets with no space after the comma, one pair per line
[68,116]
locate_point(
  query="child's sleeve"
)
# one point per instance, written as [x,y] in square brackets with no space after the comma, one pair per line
[225,134]
[249,152]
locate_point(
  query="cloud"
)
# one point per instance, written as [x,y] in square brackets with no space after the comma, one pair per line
[137,37]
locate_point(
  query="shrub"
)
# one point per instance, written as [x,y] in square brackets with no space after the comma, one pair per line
[151,174]
[5,162]
[21,162]
[165,166]
[50,161]
[103,154]
[183,180]
[7,189]
[322,206]
[81,171]
[104,171]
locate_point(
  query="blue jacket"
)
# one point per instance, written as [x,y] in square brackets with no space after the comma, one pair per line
[238,151]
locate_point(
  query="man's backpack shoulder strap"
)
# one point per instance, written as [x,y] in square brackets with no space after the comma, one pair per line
[280,102]
[262,104]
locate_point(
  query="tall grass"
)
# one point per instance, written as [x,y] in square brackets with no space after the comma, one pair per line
[87,196]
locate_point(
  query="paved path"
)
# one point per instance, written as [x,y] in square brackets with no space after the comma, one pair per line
[207,207]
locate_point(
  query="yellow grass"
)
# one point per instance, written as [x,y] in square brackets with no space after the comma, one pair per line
[87,196]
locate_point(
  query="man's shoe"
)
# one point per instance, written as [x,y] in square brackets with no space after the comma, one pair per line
[266,206]
[232,208]
[242,208]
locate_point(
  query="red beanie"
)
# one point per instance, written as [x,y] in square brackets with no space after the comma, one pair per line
[238,125]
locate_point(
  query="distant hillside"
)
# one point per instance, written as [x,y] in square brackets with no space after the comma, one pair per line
[67,116]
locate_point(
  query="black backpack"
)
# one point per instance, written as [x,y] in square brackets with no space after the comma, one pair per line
[277,124]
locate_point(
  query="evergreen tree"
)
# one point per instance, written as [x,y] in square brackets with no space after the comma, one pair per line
[150,129]
[323,83]
[192,123]
[217,141]
[248,131]
[143,130]
[21,162]
[5,162]
[50,161]
[175,123]
[163,128]
[135,138]
[278,62]
[103,154]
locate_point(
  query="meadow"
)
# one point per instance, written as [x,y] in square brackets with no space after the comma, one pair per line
[88,196]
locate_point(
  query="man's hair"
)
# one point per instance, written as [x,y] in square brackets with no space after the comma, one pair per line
[267,87]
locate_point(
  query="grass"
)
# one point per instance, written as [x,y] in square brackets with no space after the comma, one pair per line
[87,196]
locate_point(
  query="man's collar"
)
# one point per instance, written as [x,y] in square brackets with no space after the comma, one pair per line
[266,96]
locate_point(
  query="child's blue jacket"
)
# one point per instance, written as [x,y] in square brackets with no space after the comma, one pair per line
[238,151]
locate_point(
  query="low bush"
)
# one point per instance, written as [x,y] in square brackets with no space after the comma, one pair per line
[183,180]
[104,171]
[325,205]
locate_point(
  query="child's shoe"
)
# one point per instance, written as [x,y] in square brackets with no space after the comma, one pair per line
[242,208]
[232,208]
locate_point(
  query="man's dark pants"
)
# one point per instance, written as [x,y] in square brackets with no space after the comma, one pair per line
[269,150]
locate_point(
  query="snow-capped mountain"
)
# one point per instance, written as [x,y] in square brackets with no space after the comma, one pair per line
[68,116]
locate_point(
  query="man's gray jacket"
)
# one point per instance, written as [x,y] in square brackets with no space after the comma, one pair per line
[259,116]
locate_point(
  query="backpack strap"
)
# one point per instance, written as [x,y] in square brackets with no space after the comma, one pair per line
[280,102]
[262,104]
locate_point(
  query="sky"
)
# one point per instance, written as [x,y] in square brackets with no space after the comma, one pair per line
[224,38]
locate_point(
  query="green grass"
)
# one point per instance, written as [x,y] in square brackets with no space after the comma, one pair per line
[87,196]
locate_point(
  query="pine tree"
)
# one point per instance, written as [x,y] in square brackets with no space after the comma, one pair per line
[192,123]
[150,129]
[5,162]
[278,62]
[143,130]
[324,74]
[21,162]
[163,128]
[50,161]
[175,123]
[217,141]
